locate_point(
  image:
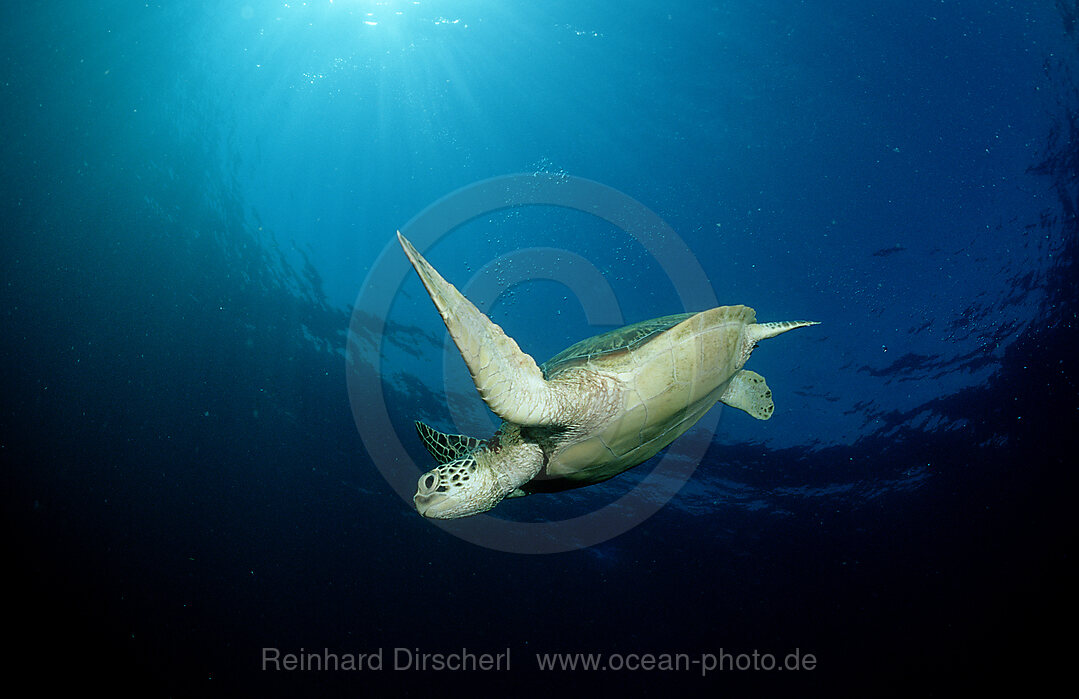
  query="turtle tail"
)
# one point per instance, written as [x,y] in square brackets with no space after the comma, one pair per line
[756,332]
[762,331]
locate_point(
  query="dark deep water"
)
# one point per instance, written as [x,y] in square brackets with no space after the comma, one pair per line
[195,193]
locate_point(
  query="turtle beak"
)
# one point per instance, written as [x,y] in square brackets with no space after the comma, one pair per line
[422,503]
[432,506]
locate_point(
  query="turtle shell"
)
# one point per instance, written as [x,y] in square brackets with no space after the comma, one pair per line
[671,371]
[622,339]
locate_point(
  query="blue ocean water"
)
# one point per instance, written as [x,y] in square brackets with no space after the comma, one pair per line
[198,196]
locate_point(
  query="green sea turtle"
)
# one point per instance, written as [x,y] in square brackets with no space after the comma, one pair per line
[596,409]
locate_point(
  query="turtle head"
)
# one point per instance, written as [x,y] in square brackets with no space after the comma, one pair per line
[463,487]
[480,479]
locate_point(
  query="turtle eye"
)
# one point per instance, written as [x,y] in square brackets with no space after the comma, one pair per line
[429,482]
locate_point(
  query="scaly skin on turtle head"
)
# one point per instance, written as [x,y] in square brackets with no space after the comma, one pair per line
[477,482]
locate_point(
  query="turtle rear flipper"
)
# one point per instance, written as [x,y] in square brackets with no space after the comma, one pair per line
[748,391]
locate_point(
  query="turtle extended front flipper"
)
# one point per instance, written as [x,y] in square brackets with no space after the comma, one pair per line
[748,391]
[445,447]
[507,379]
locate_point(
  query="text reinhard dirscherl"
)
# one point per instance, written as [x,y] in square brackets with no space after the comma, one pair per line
[404,659]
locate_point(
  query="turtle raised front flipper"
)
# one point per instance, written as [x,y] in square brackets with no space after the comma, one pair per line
[508,380]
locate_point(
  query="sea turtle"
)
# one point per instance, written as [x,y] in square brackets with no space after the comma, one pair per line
[598,408]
